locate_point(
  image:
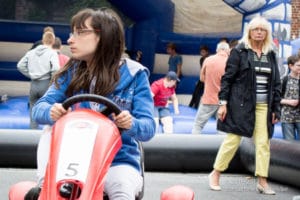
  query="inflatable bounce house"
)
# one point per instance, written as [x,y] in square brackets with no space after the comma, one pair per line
[154,24]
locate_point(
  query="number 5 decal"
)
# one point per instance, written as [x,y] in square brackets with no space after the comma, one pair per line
[72,169]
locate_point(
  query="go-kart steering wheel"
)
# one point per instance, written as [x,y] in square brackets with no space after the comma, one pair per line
[110,106]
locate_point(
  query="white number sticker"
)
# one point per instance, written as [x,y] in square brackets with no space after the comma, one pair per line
[76,150]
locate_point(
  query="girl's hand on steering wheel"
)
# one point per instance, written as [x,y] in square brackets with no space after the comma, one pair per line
[57,111]
[123,120]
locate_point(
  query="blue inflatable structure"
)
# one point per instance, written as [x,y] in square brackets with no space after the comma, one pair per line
[15,115]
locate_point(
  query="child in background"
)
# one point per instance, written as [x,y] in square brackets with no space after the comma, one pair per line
[290,110]
[162,90]
[57,46]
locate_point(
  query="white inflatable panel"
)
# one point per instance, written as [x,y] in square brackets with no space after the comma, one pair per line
[190,64]
[161,63]
[14,51]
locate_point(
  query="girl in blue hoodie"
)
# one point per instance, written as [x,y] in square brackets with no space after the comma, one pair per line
[97,44]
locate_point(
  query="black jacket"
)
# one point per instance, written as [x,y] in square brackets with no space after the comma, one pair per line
[238,87]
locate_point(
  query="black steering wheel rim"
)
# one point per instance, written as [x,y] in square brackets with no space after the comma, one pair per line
[111,107]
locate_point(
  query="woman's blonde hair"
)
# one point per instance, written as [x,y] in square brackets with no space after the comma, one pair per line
[48,38]
[259,22]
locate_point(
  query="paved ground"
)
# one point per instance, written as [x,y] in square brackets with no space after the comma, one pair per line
[234,187]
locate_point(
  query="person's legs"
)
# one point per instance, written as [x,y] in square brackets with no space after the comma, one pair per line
[262,148]
[297,137]
[166,120]
[37,90]
[42,160]
[167,123]
[123,182]
[43,152]
[225,154]
[261,141]
[198,91]
[33,97]
[288,131]
[203,114]
[43,87]
[199,94]
[192,102]
[156,119]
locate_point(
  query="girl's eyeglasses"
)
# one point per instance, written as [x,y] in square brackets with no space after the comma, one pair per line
[82,32]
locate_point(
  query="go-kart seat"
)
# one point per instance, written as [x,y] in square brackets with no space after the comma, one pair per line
[142,163]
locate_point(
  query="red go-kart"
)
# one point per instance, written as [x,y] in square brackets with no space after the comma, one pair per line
[83,144]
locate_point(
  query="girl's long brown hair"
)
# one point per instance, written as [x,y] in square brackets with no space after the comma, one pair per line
[104,68]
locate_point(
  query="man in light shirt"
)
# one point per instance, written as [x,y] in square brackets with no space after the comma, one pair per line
[211,73]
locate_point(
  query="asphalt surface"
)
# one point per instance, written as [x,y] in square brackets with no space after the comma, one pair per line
[234,186]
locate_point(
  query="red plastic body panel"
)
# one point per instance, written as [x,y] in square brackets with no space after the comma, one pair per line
[106,143]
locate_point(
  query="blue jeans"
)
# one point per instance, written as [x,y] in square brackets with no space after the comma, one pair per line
[290,131]
[161,112]
[163,115]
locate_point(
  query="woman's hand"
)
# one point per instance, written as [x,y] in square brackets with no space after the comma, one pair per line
[274,119]
[57,111]
[222,111]
[123,120]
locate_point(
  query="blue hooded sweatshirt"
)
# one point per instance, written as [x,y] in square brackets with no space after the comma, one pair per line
[132,93]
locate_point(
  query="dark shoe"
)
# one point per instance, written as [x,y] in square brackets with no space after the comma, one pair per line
[266,190]
[33,193]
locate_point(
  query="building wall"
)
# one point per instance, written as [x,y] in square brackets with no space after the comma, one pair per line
[295,23]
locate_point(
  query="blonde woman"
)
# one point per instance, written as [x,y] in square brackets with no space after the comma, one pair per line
[249,102]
